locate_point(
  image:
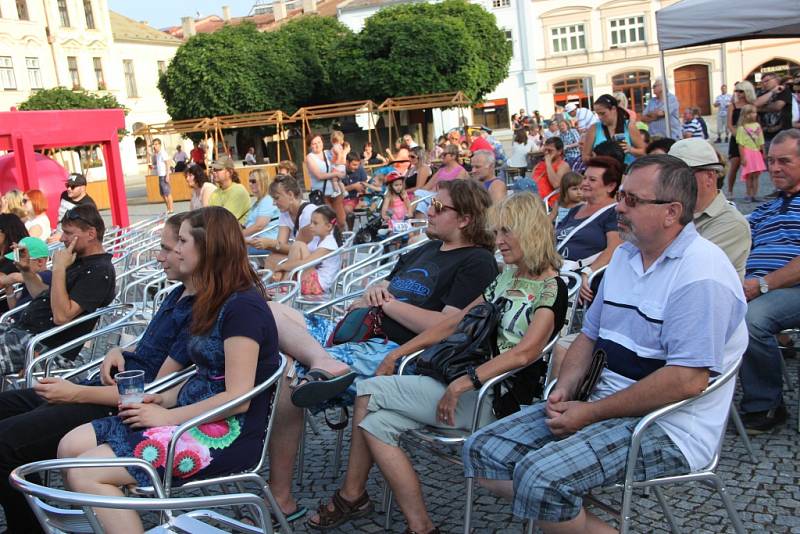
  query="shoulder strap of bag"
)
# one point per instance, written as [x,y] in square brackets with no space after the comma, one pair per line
[586,221]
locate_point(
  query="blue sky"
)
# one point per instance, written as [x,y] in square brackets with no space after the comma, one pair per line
[160,14]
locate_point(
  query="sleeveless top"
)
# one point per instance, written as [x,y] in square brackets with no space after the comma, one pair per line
[323,166]
[444,176]
[600,136]
[487,185]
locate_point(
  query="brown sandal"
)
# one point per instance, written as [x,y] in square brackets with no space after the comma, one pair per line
[343,511]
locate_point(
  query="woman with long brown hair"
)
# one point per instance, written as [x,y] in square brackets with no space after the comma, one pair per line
[233,343]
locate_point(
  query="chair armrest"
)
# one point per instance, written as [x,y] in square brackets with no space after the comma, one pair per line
[159,385]
[344,298]
[655,415]
[214,415]
[406,361]
[13,312]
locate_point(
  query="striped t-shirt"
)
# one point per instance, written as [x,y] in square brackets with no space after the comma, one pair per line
[775,227]
[694,128]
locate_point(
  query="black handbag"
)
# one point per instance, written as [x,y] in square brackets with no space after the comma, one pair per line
[473,343]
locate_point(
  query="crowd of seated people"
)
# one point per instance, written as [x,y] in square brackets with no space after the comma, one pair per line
[690,288]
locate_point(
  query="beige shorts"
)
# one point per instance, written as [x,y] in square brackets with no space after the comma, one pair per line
[401,403]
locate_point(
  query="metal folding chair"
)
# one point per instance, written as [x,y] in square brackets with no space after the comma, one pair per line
[48,504]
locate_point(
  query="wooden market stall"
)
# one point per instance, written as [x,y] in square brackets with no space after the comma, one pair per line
[431,101]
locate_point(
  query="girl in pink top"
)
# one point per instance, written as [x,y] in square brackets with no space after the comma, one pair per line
[396,199]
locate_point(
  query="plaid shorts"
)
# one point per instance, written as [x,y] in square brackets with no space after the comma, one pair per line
[13,342]
[551,475]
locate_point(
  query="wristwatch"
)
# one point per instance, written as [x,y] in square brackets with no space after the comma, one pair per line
[763,286]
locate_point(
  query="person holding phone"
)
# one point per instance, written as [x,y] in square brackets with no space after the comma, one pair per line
[614,125]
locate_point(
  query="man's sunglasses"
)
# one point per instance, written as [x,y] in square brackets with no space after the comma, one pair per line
[73,186]
[632,200]
[438,206]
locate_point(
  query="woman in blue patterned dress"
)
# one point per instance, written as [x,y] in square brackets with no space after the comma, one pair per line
[234,344]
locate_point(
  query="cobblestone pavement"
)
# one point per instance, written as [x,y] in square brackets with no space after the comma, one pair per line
[766,493]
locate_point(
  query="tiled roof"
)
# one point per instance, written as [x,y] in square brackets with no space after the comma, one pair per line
[125,29]
[264,22]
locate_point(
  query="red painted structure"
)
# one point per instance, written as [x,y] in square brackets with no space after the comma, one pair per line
[25,132]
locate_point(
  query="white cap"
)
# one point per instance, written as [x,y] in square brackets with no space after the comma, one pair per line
[569,108]
[695,153]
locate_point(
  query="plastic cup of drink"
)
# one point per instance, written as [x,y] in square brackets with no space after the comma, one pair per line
[130,385]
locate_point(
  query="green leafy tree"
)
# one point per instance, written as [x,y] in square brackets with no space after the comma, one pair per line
[426,48]
[234,70]
[63,98]
[314,43]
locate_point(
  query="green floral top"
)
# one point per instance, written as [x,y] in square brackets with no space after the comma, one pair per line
[750,136]
[525,296]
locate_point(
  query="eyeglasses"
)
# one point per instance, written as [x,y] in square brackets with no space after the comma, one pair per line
[72,186]
[632,200]
[438,206]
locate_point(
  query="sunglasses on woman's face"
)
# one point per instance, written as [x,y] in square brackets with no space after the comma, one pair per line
[439,206]
[252,181]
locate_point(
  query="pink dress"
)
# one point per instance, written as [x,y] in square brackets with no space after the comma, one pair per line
[750,139]
[398,208]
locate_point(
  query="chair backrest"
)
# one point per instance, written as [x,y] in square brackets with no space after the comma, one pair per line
[217,413]
[47,503]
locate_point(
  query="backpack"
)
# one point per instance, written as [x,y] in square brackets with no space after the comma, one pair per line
[473,343]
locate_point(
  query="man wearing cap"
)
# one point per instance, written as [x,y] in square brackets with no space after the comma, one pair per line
[714,217]
[74,195]
[37,252]
[230,194]
[582,117]
[82,280]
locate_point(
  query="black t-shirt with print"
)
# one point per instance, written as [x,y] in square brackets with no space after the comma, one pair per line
[91,283]
[431,279]
[774,122]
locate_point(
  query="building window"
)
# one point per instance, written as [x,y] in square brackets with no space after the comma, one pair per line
[98,73]
[87,9]
[7,79]
[63,13]
[130,78]
[22,10]
[162,67]
[629,30]
[576,89]
[568,38]
[509,36]
[635,85]
[501,3]
[34,72]
[72,65]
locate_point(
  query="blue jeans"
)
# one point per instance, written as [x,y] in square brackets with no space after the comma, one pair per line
[762,367]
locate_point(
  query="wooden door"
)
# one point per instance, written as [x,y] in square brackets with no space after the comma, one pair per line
[691,88]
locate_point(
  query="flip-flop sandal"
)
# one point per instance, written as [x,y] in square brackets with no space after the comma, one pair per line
[290,518]
[318,385]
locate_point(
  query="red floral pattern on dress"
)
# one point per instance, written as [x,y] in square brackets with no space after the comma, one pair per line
[151,451]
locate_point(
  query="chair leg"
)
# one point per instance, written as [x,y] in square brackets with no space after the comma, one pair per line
[787,378]
[468,505]
[529,526]
[625,510]
[673,525]
[301,452]
[733,513]
[737,422]
[388,497]
[337,459]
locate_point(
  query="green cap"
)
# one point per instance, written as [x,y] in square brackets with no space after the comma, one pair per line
[36,248]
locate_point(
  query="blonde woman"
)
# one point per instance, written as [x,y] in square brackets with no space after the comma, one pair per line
[14,202]
[389,405]
[743,94]
[263,210]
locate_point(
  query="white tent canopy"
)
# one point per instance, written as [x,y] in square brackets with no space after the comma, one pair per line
[701,22]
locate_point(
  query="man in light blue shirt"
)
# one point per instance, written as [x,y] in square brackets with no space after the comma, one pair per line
[654,113]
